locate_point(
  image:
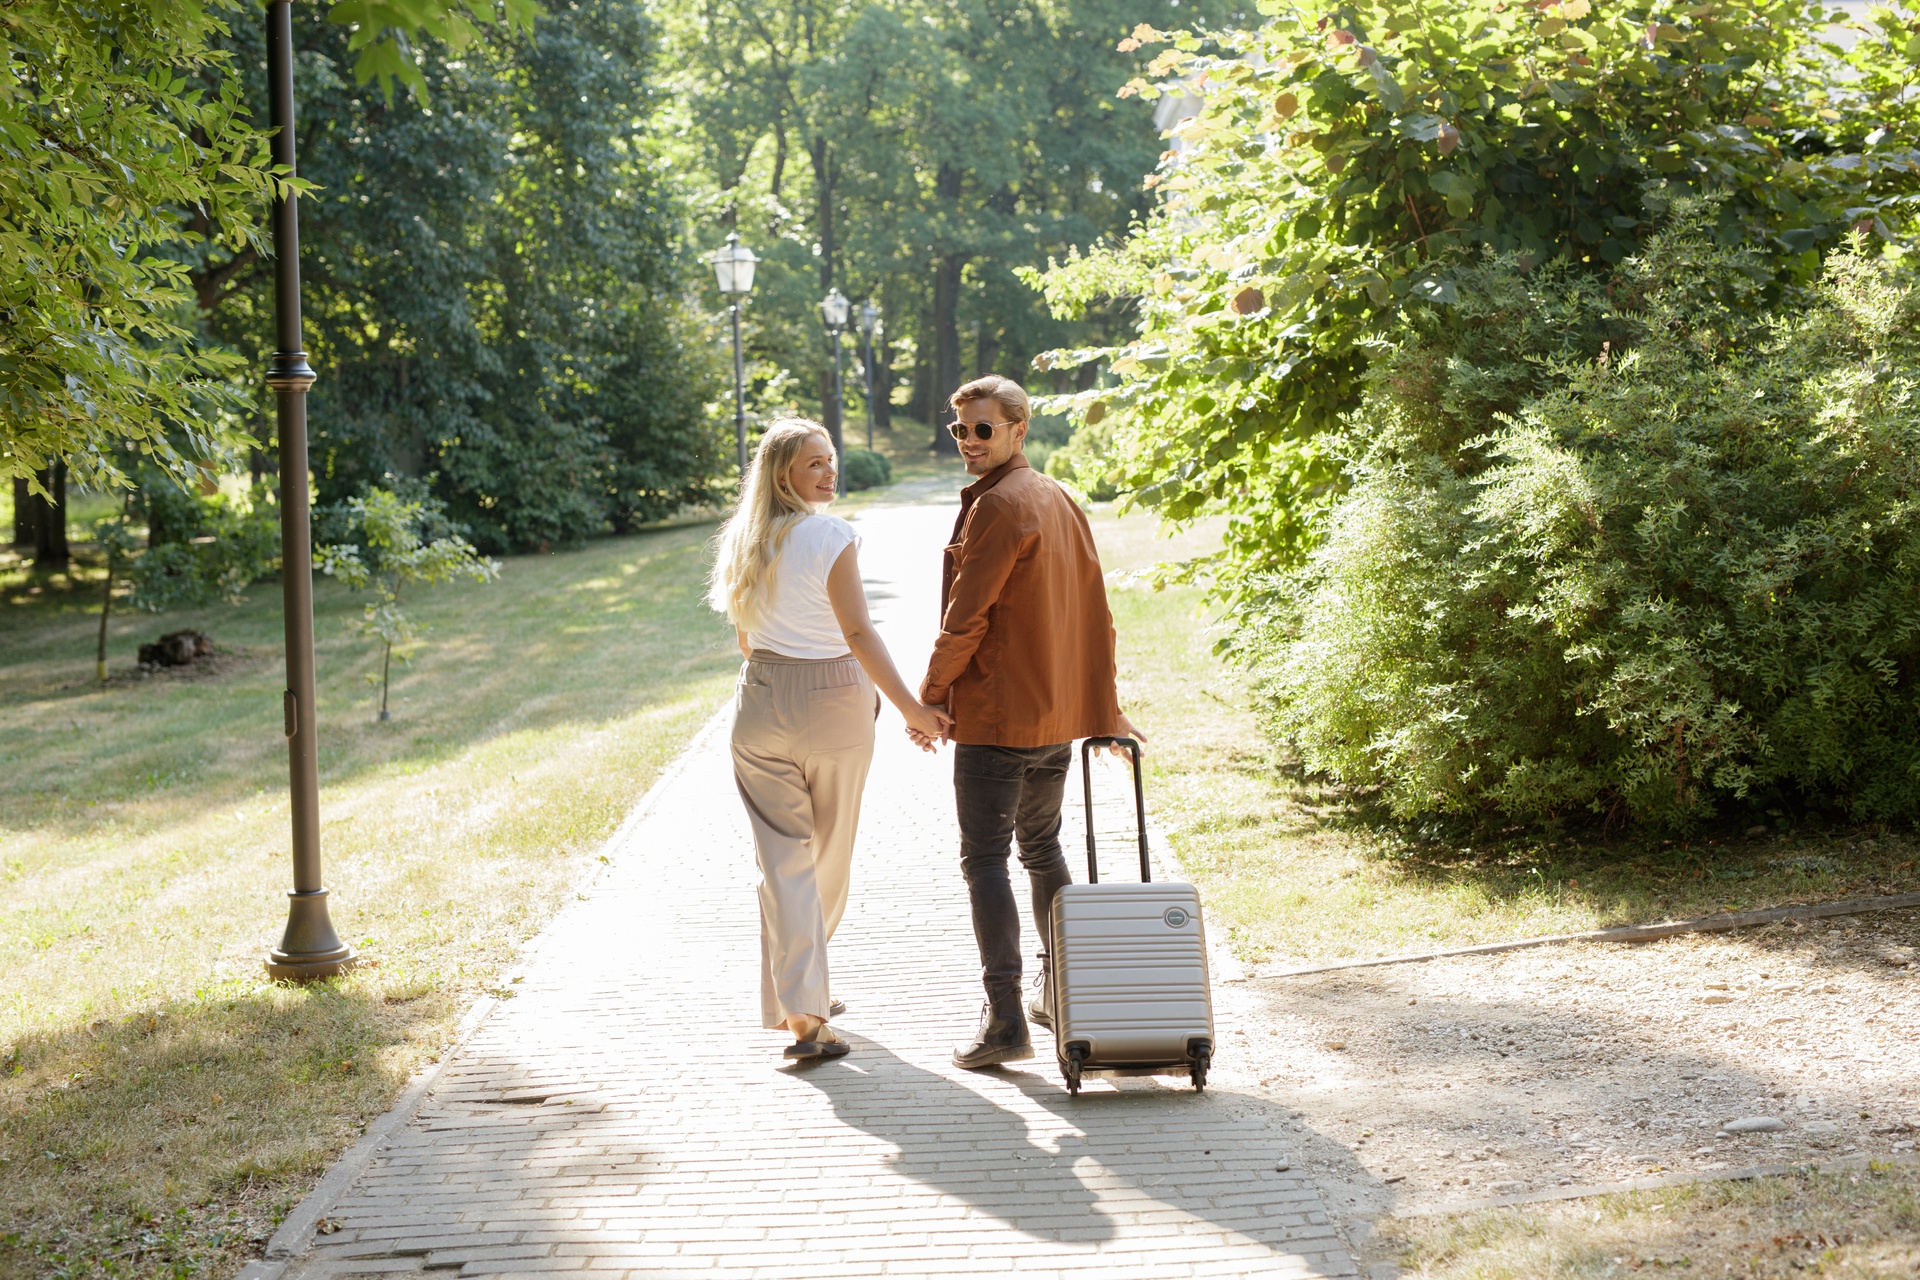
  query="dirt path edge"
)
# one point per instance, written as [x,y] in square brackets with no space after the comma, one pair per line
[1652,1182]
[1624,933]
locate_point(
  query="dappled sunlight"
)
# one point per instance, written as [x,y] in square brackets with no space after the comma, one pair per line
[240,1089]
[1588,1064]
[133,904]
[145,824]
[1297,871]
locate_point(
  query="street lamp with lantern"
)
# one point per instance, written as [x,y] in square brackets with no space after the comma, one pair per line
[309,947]
[869,330]
[733,269]
[834,309]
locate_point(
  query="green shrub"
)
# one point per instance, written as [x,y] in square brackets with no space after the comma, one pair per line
[1640,547]
[200,547]
[1086,463]
[867,470]
[1343,152]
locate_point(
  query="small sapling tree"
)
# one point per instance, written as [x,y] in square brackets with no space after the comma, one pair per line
[117,543]
[397,543]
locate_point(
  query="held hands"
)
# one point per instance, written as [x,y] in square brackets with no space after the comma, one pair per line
[928,726]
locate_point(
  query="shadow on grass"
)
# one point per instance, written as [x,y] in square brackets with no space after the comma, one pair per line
[172,1140]
[1762,857]
[582,638]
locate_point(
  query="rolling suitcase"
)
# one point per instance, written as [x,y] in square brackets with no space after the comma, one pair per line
[1130,994]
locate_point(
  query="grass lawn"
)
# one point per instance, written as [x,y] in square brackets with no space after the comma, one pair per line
[1294,871]
[160,1103]
[1864,1224]
[1298,871]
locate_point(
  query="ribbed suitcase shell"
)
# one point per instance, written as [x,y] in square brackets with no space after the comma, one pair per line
[1127,984]
[1130,983]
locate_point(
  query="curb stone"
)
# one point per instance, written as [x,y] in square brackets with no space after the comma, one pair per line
[298,1229]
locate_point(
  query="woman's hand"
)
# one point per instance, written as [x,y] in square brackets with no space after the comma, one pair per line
[927,725]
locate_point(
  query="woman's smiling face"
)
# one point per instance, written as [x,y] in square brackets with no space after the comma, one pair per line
[812,476]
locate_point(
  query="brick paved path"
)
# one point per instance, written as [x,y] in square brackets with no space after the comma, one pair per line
[625,1113]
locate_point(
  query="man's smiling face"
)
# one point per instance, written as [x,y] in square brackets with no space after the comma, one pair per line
[982,456]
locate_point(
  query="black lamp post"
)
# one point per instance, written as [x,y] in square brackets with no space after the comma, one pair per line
[733,270]
[309,948]
[834,309]
[869,330]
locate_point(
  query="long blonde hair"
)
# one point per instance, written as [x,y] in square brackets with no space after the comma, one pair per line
[750,541]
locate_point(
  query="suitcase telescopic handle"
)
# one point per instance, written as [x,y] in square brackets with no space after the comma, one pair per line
[1139,802]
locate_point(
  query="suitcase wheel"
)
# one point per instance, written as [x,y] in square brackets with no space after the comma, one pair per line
[1076,1054]
[1202,1059]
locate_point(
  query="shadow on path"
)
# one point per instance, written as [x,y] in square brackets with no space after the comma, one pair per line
[1012,1144]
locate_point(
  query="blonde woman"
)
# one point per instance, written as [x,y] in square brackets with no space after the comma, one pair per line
[788,576]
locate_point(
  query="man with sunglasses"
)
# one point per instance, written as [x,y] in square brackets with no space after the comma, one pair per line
[1024,665]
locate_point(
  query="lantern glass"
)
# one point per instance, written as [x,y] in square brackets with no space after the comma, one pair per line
[733,267]
[869,318]
[743,263]
[835,307]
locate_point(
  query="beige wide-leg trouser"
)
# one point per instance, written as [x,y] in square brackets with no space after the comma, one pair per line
[802,743]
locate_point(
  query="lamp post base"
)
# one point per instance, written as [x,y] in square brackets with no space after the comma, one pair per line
[309,950]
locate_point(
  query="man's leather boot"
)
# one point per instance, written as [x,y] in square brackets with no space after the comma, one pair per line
[1002,1036]
[1040,1008]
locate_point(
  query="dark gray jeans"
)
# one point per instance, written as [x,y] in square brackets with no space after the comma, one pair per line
[1004,793]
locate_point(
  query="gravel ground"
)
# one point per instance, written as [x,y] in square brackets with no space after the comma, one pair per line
[1453,1081]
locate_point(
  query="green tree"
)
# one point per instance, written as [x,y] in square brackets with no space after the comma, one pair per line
[491,295]
[101,144]
[913,152]
[1340,160]
[397,543]
[114,120]
[1638,547]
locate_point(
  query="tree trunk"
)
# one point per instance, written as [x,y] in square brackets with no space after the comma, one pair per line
[823,209]
[829,404]
[946,321]
[779,157]
[50,526]
[946,349]
[25,512]
[920,402]
[106,611]
[386,673]
[831,408]
[883,367]
[986,351]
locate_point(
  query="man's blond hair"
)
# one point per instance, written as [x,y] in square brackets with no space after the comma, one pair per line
[1004,392]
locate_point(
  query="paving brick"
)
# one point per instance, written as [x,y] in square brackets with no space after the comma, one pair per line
[659,1134]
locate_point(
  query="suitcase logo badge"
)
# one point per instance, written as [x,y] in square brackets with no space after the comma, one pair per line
[1175,917]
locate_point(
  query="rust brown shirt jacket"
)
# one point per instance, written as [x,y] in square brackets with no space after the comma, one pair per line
[1025,654]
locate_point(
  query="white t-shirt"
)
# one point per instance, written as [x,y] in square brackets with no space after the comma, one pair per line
[798,619]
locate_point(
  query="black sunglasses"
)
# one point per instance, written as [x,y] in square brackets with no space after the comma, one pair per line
[982,431]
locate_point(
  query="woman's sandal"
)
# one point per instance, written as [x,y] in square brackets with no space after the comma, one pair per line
[824,1044]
